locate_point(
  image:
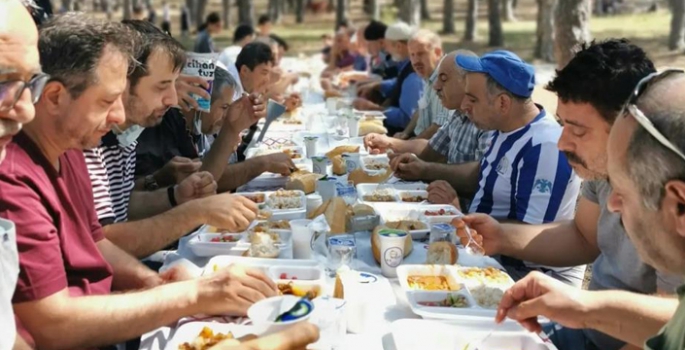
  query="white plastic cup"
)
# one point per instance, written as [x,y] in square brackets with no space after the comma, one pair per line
[332,105]
[329,316]
[320,165]
[302,237]
[314,201]
[392,250]
[310,146]
[353,125]
[352,161]
[360,312]
[326,189]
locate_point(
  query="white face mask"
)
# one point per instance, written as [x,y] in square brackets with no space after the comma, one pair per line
[128,136]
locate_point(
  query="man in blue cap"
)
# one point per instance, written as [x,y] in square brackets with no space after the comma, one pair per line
[523,177]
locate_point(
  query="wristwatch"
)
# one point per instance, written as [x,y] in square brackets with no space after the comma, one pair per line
[150,183]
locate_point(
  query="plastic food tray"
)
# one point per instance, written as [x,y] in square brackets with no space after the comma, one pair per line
[459,285]
[253,151]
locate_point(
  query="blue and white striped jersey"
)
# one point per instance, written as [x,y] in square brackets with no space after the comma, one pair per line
[525,177]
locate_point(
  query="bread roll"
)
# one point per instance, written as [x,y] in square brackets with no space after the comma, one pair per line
[359,176]
[371,126]
[376,244]
[305,182]
[339,167]
[320,210]
[338,151]
[442,253]
[336,216]
[362,210]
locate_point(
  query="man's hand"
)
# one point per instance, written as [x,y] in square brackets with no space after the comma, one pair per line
[177,273]
[402,136]
[296,337]
[540,295]
[228,211]
[233,290]
[377,143]
[407,166]
[363,104]
[186,85]
[441,192]
[491,230]
[364,91]
[176,170]
[195,186]
[245,111]
[278,163]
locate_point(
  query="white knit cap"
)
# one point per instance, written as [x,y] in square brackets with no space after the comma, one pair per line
[399,31]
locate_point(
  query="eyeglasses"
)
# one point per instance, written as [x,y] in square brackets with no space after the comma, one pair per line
[641,118]
[11,90]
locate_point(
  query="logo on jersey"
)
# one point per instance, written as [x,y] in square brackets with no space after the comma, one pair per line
[543,185]
[503,166]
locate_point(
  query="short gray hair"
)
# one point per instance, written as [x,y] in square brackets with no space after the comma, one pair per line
[649,164]
[426,36]
[452,57]
[222,79]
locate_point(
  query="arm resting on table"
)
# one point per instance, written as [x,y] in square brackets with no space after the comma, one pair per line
[462,177]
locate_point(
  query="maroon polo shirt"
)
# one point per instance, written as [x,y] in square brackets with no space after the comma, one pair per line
[56,224]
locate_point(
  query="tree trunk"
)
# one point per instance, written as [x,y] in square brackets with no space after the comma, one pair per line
[275,8]
[471,19]
[375,10]
[410,12]
[190,5]
[508,11]
[246,12]
[676,39]
[226,13]
[571,27]
[494,24]
[448,17]
[544,47]
[127,8]
[597,7]
[340,12]
[331,5]
[200,8]
[299,11]
[425,12]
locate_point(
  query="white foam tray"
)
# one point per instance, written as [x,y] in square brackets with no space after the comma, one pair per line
[187,332]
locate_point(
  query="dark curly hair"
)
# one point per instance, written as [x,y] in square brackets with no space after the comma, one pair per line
[602,74]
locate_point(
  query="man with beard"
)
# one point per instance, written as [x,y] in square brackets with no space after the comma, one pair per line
[592,90]
[163,215]
[647,136]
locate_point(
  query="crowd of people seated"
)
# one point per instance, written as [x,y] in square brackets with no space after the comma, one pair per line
[99,170]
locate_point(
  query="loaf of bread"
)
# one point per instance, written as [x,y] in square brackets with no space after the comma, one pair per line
[359,176]
[338,151]
[302,180]
[376,244]
[339,167]
[371,126]
[336,216]
[442,253]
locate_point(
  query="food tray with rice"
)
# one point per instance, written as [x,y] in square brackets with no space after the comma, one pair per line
[452,291]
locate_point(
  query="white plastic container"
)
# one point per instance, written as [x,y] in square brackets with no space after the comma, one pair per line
[428,211]
[413,196]
[260,151]
[288,214]
[402,211]
[187,332]
[202,245]
[445,336]
[364,190]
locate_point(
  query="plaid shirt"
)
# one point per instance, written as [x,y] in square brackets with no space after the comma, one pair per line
[460,141]
[431,110]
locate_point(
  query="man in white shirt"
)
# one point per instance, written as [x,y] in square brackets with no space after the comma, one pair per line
[21,82]
[243,35]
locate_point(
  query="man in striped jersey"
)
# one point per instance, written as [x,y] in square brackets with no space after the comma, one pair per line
[163,215]
[592,90]
[522,177]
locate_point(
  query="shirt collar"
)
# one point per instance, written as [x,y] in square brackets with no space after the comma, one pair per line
[433,76]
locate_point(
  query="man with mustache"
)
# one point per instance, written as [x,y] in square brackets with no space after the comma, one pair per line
[592,90]
[648,135]
[21,83]
[68,267]
[143,222]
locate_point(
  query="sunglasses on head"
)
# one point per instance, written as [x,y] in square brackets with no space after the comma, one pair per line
[632,109]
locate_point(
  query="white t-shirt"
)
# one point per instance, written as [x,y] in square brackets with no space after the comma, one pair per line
[9,272]
[229,55]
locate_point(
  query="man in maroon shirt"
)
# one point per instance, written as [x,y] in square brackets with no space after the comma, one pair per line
[67,267]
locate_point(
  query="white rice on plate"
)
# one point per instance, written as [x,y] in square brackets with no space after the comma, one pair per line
[285,200]
[487,297]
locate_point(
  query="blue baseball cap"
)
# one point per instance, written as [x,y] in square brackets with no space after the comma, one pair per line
[509,70]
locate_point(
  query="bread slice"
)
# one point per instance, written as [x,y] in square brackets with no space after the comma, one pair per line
[371,127]
[442,253]
[320,210]
[339,167]
[359,176]
[304,182]
[336,215]
[342,149]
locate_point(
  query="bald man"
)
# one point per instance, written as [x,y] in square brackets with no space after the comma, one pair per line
[20,82]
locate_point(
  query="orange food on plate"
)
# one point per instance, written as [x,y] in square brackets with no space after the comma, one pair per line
[206,339]
[438,282]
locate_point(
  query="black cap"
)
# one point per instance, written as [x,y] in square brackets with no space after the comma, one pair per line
[375,31]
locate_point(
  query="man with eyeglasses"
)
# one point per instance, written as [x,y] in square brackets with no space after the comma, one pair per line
[646,168]
[592,90]
[21,83]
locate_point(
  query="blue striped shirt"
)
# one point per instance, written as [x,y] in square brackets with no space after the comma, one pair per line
[525,177]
